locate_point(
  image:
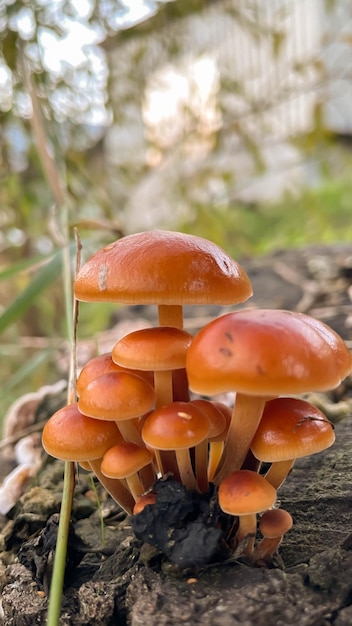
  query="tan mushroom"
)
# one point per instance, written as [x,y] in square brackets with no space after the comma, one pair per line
[165,268]
[179,427]
[70,435]
[290,428]
[261,354]
[162,350]
[245,493]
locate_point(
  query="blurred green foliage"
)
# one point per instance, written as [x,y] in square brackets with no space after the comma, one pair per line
[312,216]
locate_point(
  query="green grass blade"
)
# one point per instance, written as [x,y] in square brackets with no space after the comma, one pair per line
[24,372]
[41,281]
[21,266]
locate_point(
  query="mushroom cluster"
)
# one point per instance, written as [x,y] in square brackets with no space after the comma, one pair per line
[147,413]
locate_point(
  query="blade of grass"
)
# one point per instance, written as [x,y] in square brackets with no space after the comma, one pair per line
[58,576]
[22,266]
[25,370]
[41,281]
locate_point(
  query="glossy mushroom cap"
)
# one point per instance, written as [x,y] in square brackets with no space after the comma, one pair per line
[162,267]
[245,492]
[117,396]
[160,348]
[145,500]
[174,426]
[177,427]
[99,365]
[217,420]
[124,459]
[275,523]
[266,352]
[71,436]
[291,428]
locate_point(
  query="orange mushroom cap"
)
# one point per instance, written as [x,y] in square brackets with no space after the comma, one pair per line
[245,492]
[117,396]
[103,364]
[143,501]
[176,425]
[291,428]
[266,352]
[124,459]
[275,523]
[72,436]
[162,267]
[217,419]
[159,348]
[226,412]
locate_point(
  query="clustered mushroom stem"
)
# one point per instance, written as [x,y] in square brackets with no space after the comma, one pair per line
[245,418]
[247,527]
[186,469]
[169,463]
[135,486]
[170,315]
[158,463]
[147,476]
[278,472]
[201,465]
[163,387]
[180,385]
[114,487]
[215,452]
[266,548]
[129,431]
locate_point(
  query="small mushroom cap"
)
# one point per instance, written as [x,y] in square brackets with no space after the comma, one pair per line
[125,459]
[162,267]
[160,348]
[117,396]
[217,419]
[143,501]
[291,428]
[266,352]
[174,426]
[245,492]
[103,364]
[275,523]
[71,436]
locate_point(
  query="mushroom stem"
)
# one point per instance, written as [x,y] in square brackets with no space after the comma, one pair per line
[186,469]
[180,386]
[170,315]
[129,431]
[159,467]
[266,548]
[114,487]
[147,476]
[215,452]
[245,418]
[169,463]
[278,472]
[135,486]
[273,526]
[163,387]
[247,528]
[201,465]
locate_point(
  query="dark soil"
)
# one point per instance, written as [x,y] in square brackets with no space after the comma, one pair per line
[125,582]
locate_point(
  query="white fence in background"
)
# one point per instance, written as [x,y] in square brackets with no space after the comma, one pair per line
[270,66]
